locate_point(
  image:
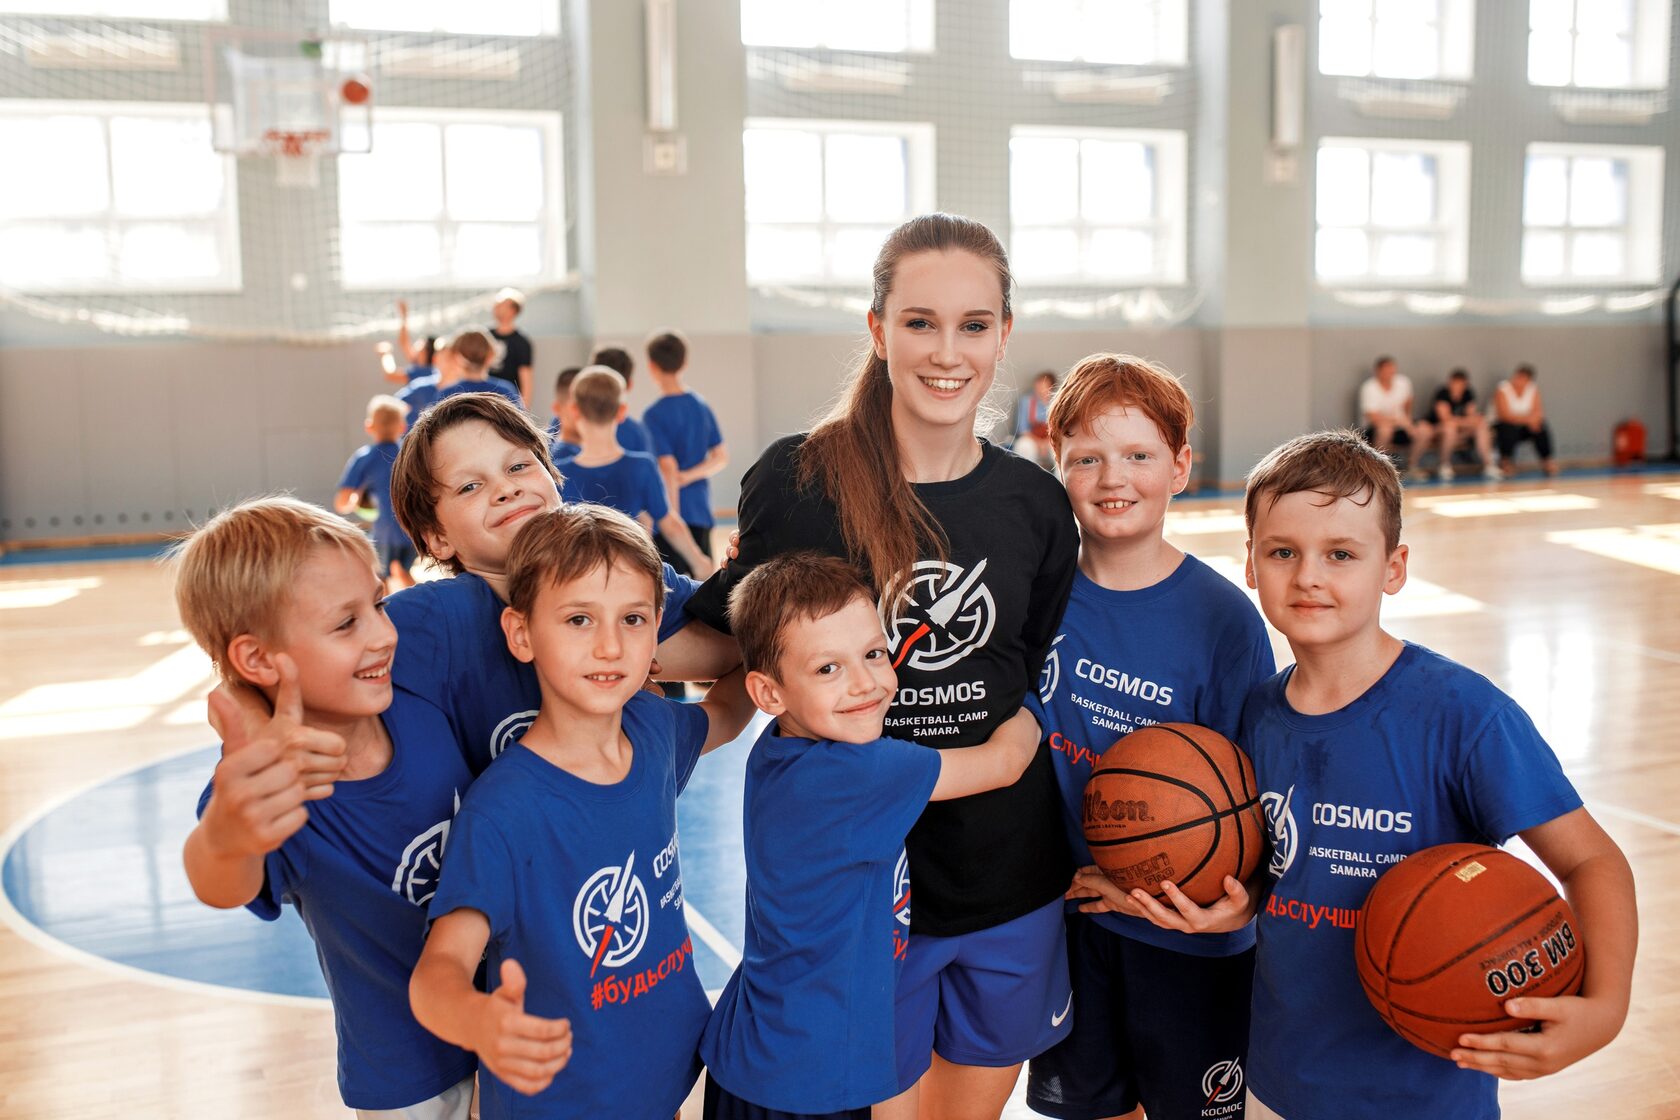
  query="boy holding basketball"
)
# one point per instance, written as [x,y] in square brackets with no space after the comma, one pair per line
[805,1027]
[1369,749]
[1150,635]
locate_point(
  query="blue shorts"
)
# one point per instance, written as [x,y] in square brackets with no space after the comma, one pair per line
[402,552]
[993,997]
[1153,1027]
[721,1104]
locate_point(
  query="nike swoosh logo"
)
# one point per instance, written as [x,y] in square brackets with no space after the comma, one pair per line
[1056,1020]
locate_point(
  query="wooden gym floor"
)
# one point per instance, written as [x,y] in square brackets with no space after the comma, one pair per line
[1566,593]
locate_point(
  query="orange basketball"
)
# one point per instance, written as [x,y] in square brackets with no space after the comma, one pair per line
[354,91]
[1174,801]
[1450,933]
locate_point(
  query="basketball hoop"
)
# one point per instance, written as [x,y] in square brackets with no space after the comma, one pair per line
[297,155]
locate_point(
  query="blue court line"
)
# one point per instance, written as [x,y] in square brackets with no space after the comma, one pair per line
[150,550]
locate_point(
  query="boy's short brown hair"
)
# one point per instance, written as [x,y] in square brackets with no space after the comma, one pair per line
[790,588]
[563,381]
[617,359]
[667,351]
[1104,381]
[1337,464]
[572,541]
[413,486]
[386,415]
[237,570]
[598,393]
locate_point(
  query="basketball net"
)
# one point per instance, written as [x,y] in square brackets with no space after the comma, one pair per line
[297,156]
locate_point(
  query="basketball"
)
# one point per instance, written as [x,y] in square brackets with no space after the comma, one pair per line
[354,91]
[1174,802]
[1449,934]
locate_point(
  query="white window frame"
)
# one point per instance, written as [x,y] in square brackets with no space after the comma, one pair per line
[920,190]
[1452,212]
[1169,225]
[1648,43]
[554,195]
[1643,230]
[1172,46]
[214,11]
[919,23]
[548,13]
[1455,46]
[225,220]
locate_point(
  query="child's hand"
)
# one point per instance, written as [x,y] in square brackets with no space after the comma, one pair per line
[733,550]
[242,718]
[525,1051]
[1232,912]
[402,310]
[1571,1027]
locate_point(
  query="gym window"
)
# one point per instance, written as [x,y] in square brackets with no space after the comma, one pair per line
[1097,205]
[883,26]
[449,17]
[1592,214]
[132,198]
[1127,32]
[453,199]
[1600,44]
[1392,211]
[195,10]
[823,195]
[1396,38]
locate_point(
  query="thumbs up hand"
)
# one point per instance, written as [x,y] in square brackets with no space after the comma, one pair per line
[526,1051]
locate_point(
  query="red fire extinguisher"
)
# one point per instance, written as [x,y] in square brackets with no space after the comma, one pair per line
[1627,443]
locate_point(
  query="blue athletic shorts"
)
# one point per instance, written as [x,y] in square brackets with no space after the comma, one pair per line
[1164,1029]
[721,1104]
[403,552]
[993,997]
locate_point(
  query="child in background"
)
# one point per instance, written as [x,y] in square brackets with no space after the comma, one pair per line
[1155,1008]
[367,477]
[462,367]
[632,434]
[419,358]
[332,793]
[688,441]
[805,1026]
[562,432]
[515,356]
[563,872]
[1032,421]
[604,473]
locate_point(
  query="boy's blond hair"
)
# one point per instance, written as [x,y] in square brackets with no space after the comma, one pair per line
[598,392]
[572,541]
[1337,464]
[387,415]
[1104,381]
[236,572]
[791,588]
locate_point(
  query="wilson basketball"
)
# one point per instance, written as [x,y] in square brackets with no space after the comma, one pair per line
[1450,933]
[1174,802]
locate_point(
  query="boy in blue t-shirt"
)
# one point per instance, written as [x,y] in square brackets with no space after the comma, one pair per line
[333,793]
[805,1027]
[686,439]
[562,430]
[1150,635]
[606,474]
[632,433]
[470,473]
[366,476]
[563,872]
[1367,750]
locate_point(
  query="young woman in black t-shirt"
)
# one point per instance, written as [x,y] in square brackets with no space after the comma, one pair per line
[973,551]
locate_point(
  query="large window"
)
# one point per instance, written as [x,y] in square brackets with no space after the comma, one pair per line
[1609,44]
[1592,214]
[1392,211]
[453,199]
[1396,38]
[858,25]
[120,9]
[823,195]
[1097,205]
[481,17]
[117,197]
[1135,32]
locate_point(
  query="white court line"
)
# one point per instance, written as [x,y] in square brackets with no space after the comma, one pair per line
[712,936]
[1637,817]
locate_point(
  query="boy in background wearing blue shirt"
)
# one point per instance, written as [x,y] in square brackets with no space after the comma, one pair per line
[332,793]
[632,433]
[804,1029]
[1406,736]
[606,474]
[368,475]
[686,440]
[562,431]
[563,859]
[1150,635]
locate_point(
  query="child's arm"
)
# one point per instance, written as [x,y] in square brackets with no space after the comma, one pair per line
[996,763]
[1599,885]
[728,709]
[677,534]
[271,764]
[715,461]
[405,342]
[526,1051]
[345,500]
[1097,895]
[697,653]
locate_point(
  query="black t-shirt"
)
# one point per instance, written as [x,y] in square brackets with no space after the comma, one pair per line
[517,357]
[968,639]
[1458,407]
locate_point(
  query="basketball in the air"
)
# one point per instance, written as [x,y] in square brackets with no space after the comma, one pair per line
[1450,933]
[1176,802]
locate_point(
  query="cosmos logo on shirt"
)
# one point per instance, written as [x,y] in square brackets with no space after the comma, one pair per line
[901,889]
[610,916]
[1280,823]
[509,730]
[943,614]
[1051,675]
[417,870]
[1222,1082]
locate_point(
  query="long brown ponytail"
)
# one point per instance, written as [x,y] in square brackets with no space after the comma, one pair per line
[853,454]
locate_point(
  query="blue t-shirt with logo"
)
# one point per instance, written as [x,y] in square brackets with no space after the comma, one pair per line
[453,654]
[684,427]
[1431,754]
[630,484]
[582,885]
[419,394]
[360,873]
[485,385]
[369,469]
[1186,650]
[806,1022]
[633,436]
